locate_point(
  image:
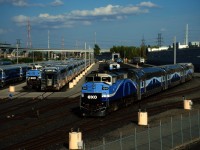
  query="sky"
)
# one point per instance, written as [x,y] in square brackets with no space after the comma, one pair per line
[74,24]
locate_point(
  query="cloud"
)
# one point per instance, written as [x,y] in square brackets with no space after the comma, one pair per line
[20,20]
[57,3]
[147,4]
[163,29]
[21,3]
[86,17]
[4,31]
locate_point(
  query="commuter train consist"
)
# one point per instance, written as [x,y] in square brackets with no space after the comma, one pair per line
[12,73]
[104,92]
[49,75]
[56,76]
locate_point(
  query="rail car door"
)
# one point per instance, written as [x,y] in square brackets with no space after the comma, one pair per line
[139,90]
[49,79]
[168,79]
[183,75]
[164,81]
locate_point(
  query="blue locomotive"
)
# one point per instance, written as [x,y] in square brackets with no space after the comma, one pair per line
[33,77]
[104,92]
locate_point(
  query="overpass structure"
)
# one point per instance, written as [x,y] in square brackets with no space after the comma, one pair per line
[64,50]
[9,50]
[4,46]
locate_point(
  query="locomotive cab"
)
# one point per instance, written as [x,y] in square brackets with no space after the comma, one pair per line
[95,94]
[99,78]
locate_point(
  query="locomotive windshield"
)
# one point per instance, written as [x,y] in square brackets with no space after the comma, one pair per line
[106,79]
[97,78]
[89,79]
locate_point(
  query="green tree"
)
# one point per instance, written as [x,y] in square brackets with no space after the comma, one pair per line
[96,49]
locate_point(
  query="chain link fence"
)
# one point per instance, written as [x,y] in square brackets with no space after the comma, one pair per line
[166,136]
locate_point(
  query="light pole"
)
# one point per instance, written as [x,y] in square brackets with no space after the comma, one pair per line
[17,53]
[85,55]
[175,50]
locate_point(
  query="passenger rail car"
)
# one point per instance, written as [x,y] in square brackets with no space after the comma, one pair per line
[103,93]
[52,78]
[57,76]
[3,62]
[12,73]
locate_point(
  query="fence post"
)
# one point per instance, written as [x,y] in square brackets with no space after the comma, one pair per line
[160,135]
[181,130]
[198,123]
[149,138]
[121,140]
[135,139]
[104,143]
[172,133]
[190,127]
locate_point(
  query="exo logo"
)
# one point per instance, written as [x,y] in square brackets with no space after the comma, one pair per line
[92,97]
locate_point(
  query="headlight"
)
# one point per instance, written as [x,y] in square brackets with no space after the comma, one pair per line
[104,88]
[82,95]
[84,88]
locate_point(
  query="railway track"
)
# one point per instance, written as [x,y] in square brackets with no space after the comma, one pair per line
[56,117]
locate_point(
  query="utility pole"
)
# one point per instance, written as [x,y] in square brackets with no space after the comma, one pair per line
[18,45]
[142,47]
[29,43]
[95,38]
[48,46]
[186,35]
[159,40]
[63,45]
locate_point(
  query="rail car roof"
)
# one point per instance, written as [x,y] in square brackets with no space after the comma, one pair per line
[152,69]
[172,67]
[55,68]
[186,64]
[141,72]
[6,67]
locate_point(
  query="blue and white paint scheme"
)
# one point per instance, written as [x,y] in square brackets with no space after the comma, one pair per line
[104,92]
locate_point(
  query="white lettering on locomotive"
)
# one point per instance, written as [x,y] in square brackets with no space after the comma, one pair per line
[92,97]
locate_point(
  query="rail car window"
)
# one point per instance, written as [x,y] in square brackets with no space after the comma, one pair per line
[125,76]
[120,77]
[106,79]
[1,74]
[89,79]
[49,76]
[168,77]
[182,73]
[63,70]
[132,76]
[114,79]
[142,84]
